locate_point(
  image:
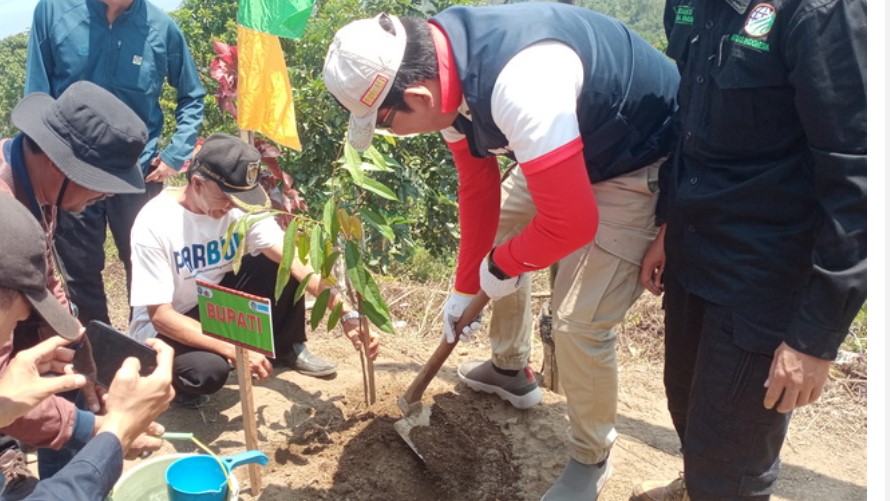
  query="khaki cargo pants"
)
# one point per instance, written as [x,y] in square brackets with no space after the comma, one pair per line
[593,289]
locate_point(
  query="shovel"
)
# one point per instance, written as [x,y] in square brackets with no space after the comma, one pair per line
[414,412]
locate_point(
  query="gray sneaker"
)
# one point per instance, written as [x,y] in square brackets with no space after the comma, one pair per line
[579,481]
[520,390]
[307,363]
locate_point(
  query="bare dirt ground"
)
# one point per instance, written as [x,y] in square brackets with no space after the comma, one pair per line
[324,443]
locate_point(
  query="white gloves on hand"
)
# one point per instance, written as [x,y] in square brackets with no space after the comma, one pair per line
[454,308]
[494,287]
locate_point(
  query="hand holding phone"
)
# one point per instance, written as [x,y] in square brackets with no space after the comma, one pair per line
[134,401]
[110,348]
[23,384]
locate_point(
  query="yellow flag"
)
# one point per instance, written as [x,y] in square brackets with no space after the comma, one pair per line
[265,98]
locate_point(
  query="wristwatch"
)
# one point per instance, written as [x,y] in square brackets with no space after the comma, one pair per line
[349,315]
[493,268]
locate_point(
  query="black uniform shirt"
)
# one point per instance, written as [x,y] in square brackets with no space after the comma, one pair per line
[767,191]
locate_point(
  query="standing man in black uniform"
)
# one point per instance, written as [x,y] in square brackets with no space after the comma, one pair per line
[763,255]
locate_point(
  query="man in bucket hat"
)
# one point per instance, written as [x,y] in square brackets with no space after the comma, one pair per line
[180,237]
[70,153]
[133,401]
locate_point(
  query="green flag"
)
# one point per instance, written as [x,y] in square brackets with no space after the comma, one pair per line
[283,18]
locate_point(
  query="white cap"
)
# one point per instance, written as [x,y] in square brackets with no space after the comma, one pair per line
[359,70]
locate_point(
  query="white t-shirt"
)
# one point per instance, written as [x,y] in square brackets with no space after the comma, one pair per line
[172,247]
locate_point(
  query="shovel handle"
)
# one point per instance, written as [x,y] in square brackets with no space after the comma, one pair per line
[415,392]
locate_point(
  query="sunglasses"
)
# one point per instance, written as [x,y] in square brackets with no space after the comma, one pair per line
[386,123]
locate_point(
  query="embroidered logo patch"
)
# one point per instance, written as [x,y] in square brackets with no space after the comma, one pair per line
[137,60]
[760,20]
[684,14]
[253,170]
[373,93]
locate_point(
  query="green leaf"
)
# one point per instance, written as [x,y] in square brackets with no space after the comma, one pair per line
[303,246]
[355,269]
[316,248]
[351,157]
[370,167]
[364,284]
[334,318]
[320,307]
[381,321]
[356,173]
[242,244]
[372,295]
[377,159]
[376,187]
[287,259]
[331,225]
[379,223]
[329,261]
[301,289]
[230,232]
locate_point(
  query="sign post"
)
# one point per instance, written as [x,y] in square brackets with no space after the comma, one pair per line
[245,321]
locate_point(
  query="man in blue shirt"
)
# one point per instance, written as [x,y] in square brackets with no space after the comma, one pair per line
[129,47]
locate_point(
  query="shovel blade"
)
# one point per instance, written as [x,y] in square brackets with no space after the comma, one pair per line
[415,414]
[403,428]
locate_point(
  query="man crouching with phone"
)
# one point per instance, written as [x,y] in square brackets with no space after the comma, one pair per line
[33,376]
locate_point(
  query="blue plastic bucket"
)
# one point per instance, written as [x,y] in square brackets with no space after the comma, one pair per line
[200,477]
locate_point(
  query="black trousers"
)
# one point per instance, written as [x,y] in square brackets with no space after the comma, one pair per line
[196,371]
[715,394]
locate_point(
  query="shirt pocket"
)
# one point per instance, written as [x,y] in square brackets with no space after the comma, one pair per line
[137,68]
[751,106]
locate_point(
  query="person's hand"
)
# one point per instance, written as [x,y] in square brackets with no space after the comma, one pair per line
[161,171]
[133,402]
[454,307]
[354,328]
[147,442]
[260,367]
[796,378]
[494,287]
[652,266]
[22,384]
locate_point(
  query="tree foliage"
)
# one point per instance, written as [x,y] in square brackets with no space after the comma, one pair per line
[423,177]
[642,16]
[13,52]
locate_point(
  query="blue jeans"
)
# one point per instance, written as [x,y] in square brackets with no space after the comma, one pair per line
[715,394]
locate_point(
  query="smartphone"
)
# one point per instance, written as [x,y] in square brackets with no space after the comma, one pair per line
[110,348]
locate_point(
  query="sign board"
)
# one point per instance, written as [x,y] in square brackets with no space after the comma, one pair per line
[239,318]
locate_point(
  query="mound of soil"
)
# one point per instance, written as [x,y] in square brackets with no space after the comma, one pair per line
[466,455]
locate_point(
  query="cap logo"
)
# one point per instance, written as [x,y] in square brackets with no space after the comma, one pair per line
[253,169]
[373,93]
